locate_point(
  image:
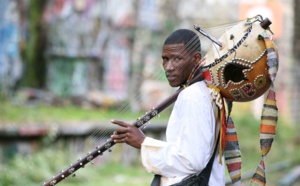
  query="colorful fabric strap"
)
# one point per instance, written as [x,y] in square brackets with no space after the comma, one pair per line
[229,146]
[269,114]
[232,152]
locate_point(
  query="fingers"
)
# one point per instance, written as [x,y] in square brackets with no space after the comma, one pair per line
[118,138]
[121,140]
[121,130]
[120,123]
[127,133]
[124,126]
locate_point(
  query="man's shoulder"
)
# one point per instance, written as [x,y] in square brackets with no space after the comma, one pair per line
[196,90]
[200,86]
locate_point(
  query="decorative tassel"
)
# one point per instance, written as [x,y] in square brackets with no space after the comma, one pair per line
[215,93]
[229,145]
[269,115]
[223,128]
[232,152]
[259,177]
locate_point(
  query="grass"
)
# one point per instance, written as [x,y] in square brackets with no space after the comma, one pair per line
[43,114]
[40,166]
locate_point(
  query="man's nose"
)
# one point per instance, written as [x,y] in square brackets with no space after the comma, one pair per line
[169,66]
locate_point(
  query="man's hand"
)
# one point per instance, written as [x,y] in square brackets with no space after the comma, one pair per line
[128,133]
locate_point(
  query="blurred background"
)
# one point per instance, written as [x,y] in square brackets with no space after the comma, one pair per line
[69,66]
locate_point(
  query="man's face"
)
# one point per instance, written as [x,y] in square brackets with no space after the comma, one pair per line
[177,63]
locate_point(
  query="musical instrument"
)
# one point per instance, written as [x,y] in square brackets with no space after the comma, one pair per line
[238,65]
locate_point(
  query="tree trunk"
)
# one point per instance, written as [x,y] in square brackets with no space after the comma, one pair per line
[34,51]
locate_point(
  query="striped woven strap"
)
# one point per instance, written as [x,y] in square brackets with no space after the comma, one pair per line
[232,152]
[229,146]
[269,114]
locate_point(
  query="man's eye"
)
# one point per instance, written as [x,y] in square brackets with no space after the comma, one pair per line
[177,58]
[165,60]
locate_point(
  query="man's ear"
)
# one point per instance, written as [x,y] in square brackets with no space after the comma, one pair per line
[197,57]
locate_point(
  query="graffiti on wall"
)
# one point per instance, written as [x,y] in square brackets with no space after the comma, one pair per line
[82,34]
[11,66]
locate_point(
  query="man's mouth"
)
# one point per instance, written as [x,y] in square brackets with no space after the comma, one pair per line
[171,77]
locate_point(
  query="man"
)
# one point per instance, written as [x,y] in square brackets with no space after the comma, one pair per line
[192,130]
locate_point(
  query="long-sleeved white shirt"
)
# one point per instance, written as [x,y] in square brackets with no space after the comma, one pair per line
[190,139]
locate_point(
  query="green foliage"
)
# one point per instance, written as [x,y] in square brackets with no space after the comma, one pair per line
[41,114]
[40,167]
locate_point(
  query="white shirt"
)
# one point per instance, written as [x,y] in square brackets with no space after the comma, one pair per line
[190,139]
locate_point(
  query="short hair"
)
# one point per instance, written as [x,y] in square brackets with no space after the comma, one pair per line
[189,38]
